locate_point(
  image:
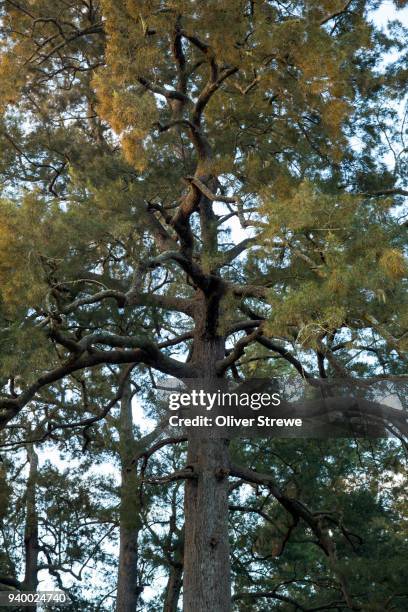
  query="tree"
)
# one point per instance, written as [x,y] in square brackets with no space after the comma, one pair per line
[135,136]
[57,523]
[357,485]
[128,587]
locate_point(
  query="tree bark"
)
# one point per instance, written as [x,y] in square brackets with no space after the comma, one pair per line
[173,588]
[128,590]
[206,552]
[206,581]
[31,545]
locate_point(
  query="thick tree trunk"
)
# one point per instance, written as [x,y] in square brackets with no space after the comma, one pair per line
[128,590]
[31,546]
[206,551]
[206,582]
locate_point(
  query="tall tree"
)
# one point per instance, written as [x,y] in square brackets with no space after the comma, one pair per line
[135,136]
[128,589]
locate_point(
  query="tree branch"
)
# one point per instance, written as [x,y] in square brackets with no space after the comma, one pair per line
[188,473]
[336,14]
[285,354]
[238,351]
[161,91]
[269,595]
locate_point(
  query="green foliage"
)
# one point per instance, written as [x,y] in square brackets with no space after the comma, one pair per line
[349,483]
[342,261]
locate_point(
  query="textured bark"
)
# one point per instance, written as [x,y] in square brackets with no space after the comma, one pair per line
[128,590]
[31,546]
[206,583]
[206,552]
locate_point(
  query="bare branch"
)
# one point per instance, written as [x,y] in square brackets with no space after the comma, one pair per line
[385,192]
[269,344]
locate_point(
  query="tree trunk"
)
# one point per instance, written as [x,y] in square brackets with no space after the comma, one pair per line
[31,546]
[173,588]
[206,552]
[206,582]
[128,590]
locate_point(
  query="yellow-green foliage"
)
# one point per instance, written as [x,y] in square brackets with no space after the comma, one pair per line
[339,262]
[394,264]
[136,32]
[130,54]
[22,230]
[129,113]
[42,244]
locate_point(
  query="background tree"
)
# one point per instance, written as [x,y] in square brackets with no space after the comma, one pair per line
[91,523]
[59,528]
[278,559]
